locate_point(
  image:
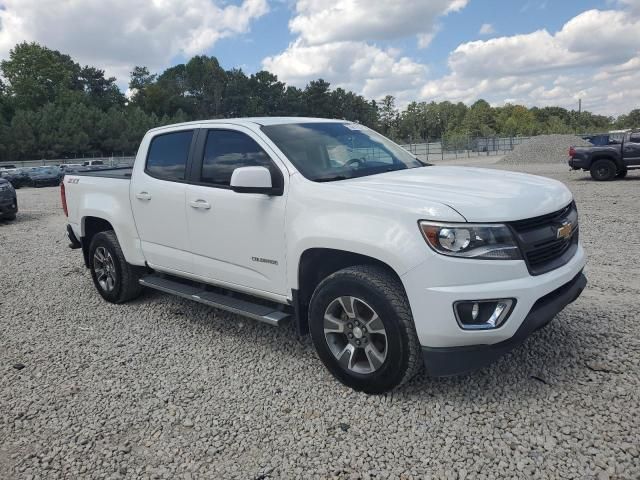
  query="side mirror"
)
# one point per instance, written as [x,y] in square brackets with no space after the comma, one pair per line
[253,180]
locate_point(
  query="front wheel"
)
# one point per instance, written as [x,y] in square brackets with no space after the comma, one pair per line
[363,331]
[114,278]
[603,170]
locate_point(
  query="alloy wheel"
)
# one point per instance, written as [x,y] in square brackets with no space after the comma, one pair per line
[105,269]
[355,335]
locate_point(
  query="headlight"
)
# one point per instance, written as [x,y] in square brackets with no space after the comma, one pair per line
[468,240]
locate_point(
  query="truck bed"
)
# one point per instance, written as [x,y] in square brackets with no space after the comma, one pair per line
[123,173]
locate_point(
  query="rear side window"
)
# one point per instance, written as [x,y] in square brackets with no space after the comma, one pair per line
[635,138]
[227,150]
[168,153]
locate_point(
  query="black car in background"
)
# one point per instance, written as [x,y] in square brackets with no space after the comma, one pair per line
[45,176]
[8,201]
[16,176]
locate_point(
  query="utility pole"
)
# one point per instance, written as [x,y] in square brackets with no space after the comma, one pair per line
[579,114]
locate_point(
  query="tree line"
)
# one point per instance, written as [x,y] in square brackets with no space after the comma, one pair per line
[52,107]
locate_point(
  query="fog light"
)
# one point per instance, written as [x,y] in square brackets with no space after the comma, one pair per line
[475,310]
[483,314]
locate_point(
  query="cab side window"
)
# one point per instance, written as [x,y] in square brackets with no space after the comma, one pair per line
[635,137]
[226,150]
[168,154]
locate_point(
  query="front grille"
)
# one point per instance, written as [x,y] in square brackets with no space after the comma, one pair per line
[538,239]
[541,255]
[531,223]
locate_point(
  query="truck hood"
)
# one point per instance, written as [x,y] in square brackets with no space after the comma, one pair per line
[478,194]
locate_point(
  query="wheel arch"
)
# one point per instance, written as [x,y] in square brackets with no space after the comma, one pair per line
[616,161]
[89,227]
[315,265]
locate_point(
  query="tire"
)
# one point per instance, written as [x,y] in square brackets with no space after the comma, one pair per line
[10,216]
[113,277]
[622,173]
[603,170]
[366,291]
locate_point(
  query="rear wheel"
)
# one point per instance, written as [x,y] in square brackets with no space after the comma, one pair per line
[363,331]
[603,170]
[114,278]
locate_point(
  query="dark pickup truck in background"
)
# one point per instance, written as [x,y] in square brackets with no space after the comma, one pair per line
[606,162]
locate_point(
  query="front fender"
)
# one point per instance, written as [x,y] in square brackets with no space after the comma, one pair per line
[351,223]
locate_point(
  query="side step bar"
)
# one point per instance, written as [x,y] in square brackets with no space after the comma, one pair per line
[198,293]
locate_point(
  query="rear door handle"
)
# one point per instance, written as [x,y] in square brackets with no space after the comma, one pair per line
[200,204]
[143,196]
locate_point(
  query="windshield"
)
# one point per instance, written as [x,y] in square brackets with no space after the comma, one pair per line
[325,152]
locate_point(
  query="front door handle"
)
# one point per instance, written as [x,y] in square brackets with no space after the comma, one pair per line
[200,204]
[143,196]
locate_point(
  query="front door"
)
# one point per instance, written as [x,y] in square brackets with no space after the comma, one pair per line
[237,238]
[158,189]
[631,150]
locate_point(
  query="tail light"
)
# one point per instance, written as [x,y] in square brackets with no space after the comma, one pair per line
[572,152]
[63,198]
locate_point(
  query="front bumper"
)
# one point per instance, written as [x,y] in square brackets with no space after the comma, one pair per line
[457,360]
[434,286]
[8,205]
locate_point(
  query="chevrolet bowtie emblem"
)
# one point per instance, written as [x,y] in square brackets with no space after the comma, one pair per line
[564,231]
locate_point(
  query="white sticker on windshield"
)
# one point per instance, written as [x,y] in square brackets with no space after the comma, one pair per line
[354,126]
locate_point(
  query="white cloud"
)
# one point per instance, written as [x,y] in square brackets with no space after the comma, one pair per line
[425,39]
[356,66]
[336,42]
[318,22]
[486,29]
[118,34]
[586,59]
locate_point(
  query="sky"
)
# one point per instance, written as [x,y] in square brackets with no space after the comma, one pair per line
[530,52]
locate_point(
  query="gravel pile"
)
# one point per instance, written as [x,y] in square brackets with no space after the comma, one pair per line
[165,388]
[543,149]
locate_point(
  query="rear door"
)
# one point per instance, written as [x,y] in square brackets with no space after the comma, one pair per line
[237,239]
[158,189]
[631,149]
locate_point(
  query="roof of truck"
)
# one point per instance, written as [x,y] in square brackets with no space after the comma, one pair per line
[255,121]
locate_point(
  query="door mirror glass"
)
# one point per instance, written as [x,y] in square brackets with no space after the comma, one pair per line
[252,180]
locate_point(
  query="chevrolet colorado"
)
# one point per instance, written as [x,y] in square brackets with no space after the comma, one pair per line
[606,162]
[388,262]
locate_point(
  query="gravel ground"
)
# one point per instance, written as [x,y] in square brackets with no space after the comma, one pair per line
[544,149]
[165,388]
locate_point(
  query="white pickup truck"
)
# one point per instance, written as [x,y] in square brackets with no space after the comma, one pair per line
[388,262]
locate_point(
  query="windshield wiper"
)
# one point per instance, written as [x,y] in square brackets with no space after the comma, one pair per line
[423,163]
[331,179]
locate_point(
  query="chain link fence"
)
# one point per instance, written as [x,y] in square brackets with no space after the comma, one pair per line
[113,161]
[463,146]
[444,149]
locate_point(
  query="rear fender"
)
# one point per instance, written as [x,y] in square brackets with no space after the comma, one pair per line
[119,216]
